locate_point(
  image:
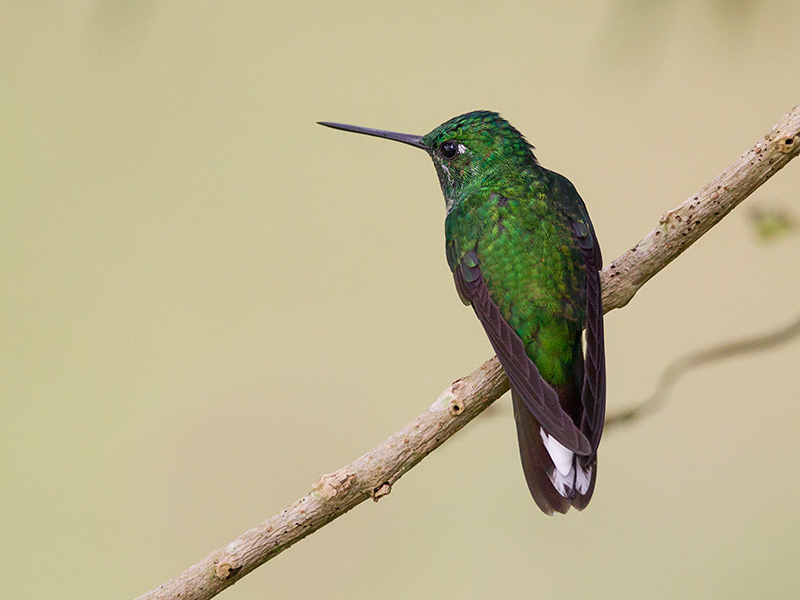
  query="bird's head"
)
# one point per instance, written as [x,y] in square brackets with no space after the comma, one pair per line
[467,151]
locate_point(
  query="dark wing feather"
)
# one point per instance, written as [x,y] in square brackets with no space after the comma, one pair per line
[536,394]
[593,395]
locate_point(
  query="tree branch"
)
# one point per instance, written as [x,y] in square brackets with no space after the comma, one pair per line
[373,475]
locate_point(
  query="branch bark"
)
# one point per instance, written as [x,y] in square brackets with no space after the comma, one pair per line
[373,475]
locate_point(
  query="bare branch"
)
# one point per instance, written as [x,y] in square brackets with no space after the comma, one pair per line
[681,227]
[373,474]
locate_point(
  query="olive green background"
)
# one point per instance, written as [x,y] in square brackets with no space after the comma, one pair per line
[208,301]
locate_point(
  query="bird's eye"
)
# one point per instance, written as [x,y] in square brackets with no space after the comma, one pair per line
[448,149]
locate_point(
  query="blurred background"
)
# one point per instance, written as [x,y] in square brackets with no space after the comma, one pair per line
[208,301]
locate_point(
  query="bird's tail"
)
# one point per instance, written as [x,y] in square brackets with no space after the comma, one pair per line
[557,478]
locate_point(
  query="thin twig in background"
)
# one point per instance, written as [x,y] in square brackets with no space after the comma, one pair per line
[693,360]
[373,475]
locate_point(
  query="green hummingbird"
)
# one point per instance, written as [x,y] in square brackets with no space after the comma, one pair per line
[524,254]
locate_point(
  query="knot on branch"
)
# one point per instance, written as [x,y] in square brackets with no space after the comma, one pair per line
[226,570]
[227,565]
[333,484]
[453,397]
[381,491]
[789,144]
[455,406]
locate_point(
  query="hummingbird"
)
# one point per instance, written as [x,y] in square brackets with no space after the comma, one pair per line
[524,254]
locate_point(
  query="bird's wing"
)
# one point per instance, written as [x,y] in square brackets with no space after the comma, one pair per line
[593,394]
[538,396]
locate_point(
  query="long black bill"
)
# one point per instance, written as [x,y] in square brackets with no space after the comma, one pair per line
[406,138]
